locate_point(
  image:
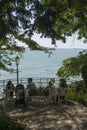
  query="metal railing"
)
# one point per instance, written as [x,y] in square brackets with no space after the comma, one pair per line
[40,82]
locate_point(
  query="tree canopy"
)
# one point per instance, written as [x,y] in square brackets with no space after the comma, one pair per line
[55,19]
[72,67]
[50,18]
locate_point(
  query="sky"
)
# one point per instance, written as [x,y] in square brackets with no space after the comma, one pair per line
[71,42]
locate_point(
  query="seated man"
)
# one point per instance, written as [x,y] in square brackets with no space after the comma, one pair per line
[31,88]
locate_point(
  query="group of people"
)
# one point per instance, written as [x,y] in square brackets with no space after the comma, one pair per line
[29,91]
[56,93]
[51,91]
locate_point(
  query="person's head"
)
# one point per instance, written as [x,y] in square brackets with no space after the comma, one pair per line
[50,84]
[9,82]
[62,83]
[29,80]
[53,80]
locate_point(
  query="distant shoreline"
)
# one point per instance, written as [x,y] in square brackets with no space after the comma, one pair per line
[51,48]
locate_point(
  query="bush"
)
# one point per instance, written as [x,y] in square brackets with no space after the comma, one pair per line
[84,74]
[6,123]
[78,96]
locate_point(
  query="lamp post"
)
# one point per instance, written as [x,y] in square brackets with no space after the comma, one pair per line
[17,61]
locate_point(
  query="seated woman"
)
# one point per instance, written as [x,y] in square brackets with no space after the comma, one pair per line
[62,90]
[49,91]
[10,89]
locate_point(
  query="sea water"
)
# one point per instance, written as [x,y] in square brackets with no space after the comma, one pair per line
[39,64]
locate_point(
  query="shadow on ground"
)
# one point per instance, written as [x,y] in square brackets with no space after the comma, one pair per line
[41,115]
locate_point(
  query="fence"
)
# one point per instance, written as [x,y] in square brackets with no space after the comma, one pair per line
[40,82]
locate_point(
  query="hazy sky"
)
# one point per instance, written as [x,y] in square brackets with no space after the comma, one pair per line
[71,42]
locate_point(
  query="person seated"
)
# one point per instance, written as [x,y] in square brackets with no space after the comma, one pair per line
[46,92]
[49,91]
[10,89]
[62,90]
[53,82]
[31,88]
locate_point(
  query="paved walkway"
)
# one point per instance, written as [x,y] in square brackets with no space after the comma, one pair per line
[47,116]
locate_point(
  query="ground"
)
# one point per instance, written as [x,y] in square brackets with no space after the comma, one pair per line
[43,115]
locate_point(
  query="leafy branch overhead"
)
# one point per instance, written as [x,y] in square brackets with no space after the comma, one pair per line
[55,19]
[29,42]
[72,67]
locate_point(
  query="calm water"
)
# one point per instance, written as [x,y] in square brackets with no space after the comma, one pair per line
[39,64]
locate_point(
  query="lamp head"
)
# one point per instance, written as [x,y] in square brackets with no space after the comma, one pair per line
[17,60]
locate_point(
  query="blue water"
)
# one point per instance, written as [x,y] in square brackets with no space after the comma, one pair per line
[39,64]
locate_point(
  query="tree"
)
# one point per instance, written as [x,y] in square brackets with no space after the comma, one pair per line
[84,74]
[56,19]
[15,26]
[73,66]
[66,17]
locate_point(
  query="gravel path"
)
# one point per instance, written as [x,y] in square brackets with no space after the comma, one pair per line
[41,115]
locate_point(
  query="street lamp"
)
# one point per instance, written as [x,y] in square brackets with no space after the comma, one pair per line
[17,61]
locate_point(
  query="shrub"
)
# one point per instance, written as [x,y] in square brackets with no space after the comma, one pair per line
[84,74]
[6,123]
[78,96]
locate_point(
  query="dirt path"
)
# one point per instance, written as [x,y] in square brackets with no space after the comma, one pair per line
[47,116]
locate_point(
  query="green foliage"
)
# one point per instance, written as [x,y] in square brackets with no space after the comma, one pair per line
[14,18]
[71,67]
[6,123]
[78,96]
[30,43]
[55,19]
[71,92]
[65,18]
[84,74]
